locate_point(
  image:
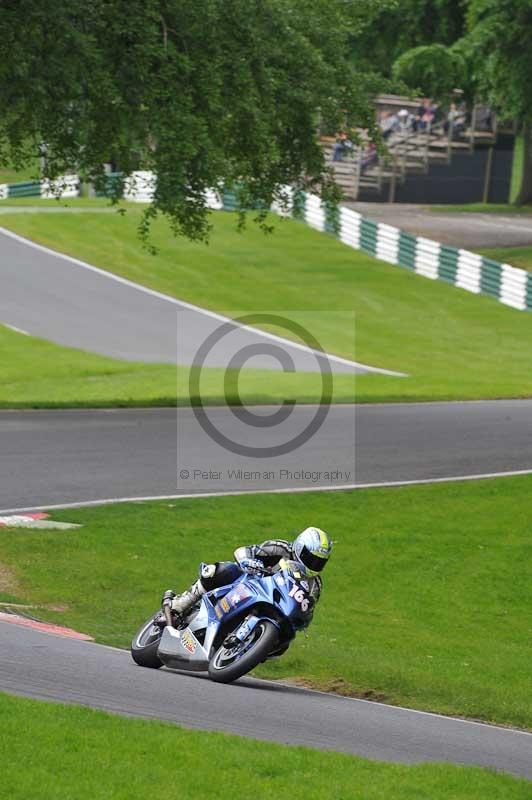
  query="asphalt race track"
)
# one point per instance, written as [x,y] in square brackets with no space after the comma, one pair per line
[54,457]
[469,230]
[54,668]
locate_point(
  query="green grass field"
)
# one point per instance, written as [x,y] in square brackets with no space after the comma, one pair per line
[447,340]
[427,600]
[77,753]
[38,374]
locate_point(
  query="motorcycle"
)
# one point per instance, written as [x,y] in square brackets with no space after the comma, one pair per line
[231,629]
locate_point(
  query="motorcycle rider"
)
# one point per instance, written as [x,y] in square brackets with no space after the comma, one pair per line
[311,549]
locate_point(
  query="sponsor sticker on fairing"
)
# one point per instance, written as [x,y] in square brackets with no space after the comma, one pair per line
[238,594]
[189,643]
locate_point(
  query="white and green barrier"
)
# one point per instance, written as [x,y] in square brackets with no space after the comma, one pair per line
[139,187]
[469,271]
[65,186]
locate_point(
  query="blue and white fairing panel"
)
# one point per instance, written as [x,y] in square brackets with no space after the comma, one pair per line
[178,647]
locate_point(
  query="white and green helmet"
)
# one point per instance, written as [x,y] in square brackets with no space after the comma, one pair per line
[312,548]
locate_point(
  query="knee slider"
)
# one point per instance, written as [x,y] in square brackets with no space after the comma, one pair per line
[207,570]
[207,573]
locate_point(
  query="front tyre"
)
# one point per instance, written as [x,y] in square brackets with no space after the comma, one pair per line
[230,663]
[145,644]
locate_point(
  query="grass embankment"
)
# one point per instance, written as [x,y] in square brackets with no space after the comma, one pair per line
[9,174]
[80,753]
[38,374]
[36,204]
[452,344]
[427,600]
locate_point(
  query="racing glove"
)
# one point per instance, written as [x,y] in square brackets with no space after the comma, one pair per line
[253,566]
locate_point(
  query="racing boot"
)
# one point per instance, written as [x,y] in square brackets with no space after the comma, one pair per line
[182,603]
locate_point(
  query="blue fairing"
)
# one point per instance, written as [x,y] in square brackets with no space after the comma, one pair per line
[274,590]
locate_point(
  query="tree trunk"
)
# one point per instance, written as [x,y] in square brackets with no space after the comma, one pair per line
[521,185]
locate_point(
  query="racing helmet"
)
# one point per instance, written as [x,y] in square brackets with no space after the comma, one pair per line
[312,548]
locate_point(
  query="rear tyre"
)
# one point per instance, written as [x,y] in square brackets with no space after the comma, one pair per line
[230,663]
[145,644]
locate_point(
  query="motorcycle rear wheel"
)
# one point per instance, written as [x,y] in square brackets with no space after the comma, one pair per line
[229,664]
[145,644]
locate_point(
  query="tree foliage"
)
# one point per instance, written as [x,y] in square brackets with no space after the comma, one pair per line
[200,93]
[498,42]
[434,69]
[497,48]
[396,26]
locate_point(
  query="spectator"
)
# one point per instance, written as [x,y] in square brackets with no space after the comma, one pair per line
[425,115]
[484,118]
[405,121]
[369,155]
[343,145]
[388,123]
[455,120]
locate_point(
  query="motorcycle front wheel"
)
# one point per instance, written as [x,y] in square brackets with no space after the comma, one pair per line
[145,644]
[230,663]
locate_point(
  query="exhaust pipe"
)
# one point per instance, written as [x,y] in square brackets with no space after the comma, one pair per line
[168,596]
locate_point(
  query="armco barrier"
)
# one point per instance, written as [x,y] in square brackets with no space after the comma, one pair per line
[139,187]
[65,186]
[24,189]
[110,184]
